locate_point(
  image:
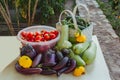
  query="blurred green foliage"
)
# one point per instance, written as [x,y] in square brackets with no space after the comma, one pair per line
[111,9]
[46,9]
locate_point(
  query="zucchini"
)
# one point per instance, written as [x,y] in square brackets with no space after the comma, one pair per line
[80,47]
[90,54]
[77,58]
[63,42]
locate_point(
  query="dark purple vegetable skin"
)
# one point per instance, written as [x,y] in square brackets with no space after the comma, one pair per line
[37,60]
[49,59]
[61,71]
[65,51]
[71,67]
[61,64]
[28,50]
[59,56]
[48,72]
[27,71]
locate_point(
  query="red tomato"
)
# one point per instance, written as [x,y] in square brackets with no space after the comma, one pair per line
[37,33]
[52,36]
[44,32]
[54,32]
[24,34]
[30,35]
[46,37]
[38,38]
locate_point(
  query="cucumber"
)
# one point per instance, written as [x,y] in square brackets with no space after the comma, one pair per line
[90,54]
[66,44]
[63,42]
[77,58]
[71,55]
[80,47]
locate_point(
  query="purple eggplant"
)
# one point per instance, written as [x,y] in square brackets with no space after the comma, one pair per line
[49,59]
[27,71]
[71,66]
[37,60]
[28,50]
[59,56]
[65,51]
[62,71]
[51,51]
[48,72]
[61,64]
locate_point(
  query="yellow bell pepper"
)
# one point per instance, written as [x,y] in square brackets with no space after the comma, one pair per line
[80,37]
[25,62]
[79,71]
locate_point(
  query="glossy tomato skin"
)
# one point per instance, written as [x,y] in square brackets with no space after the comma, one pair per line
[55,32]
[24,34]
[38,36]
[52,36]
[37,33]
[47,36]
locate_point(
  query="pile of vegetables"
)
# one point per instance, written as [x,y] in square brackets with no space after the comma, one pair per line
[65,57]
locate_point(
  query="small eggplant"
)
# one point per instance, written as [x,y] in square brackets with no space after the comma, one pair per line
[61,64]
[72,66]
[61,71]
[49,59]
[27,71]
[37,60]
[59,56]
[65,51]
[28,50]
[48,72]
[49,64]
[51,51]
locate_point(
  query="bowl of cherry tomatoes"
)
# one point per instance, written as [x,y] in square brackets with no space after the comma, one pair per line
[40,37]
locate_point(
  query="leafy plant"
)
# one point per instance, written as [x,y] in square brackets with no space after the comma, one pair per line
[46,9]
[111,9]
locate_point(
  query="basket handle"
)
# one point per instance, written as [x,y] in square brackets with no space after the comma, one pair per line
[68,12]
[84,6]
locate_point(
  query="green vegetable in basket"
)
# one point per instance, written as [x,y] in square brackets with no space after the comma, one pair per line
[82,24]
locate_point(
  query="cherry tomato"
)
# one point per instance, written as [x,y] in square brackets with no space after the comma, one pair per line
[24,34]
[55,32]
[47,37]
[30,35]
[37,33]
[52,36]
[43,32]
[38,38]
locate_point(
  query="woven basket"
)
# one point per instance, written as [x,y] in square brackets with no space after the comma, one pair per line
[87,31]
